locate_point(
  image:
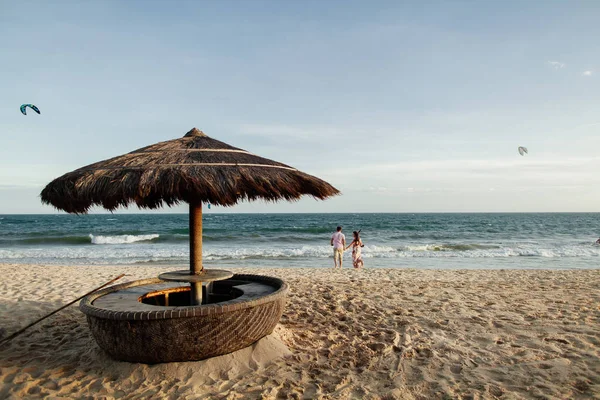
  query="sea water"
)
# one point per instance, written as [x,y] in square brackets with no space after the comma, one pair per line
[483,241]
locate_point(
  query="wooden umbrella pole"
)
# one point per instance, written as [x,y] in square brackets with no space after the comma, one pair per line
[196,238]
[17,333]
[196,250]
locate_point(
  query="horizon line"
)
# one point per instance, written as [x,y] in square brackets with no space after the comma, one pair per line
[344,212]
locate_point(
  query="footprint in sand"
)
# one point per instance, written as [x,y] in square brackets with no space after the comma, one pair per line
[456,369]
[563,341]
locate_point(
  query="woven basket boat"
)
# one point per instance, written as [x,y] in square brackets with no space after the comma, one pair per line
[127,323]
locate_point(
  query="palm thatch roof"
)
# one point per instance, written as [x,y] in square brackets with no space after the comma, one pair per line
[192,169]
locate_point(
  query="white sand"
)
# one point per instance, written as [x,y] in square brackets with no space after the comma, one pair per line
[374,334]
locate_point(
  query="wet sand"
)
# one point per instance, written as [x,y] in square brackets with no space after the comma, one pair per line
[370,334]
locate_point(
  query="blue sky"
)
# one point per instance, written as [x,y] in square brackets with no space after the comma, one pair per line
[405,107]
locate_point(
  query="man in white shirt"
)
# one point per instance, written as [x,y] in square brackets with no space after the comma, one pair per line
[338,241]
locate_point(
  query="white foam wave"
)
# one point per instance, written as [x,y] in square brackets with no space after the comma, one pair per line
[378,249]
[161,252]
[435,251]
[266,252]
[423,247]
[122,239]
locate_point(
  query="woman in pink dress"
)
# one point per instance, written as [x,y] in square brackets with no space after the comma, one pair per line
[356,245]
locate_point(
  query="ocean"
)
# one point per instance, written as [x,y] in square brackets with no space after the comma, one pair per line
[440,241]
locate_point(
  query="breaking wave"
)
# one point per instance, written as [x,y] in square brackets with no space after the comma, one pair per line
[147,250]
[123,239]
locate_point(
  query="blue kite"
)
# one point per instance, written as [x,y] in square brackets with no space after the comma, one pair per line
[34,108]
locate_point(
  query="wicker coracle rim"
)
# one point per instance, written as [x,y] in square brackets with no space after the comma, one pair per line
[86,306]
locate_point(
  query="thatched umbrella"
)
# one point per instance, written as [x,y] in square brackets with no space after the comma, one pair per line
[193,169]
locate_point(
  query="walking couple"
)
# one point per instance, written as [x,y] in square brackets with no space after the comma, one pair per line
[338,241]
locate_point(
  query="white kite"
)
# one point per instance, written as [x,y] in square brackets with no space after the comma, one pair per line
[522,150]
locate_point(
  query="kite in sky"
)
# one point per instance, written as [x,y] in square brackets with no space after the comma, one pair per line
[522,150]
[34,108]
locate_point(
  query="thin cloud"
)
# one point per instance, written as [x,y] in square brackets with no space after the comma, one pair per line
[267,130]
[380,189]
[587,73]
[557,64]
[587,125]
[538,171]
[20,186]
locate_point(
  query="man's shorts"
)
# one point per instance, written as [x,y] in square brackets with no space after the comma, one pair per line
[338,254]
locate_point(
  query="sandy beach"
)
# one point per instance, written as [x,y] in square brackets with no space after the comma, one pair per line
[370,334]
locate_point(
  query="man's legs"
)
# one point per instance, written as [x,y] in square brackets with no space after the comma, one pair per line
[335,258]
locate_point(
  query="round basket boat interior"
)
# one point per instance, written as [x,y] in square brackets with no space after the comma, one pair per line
[152,321]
